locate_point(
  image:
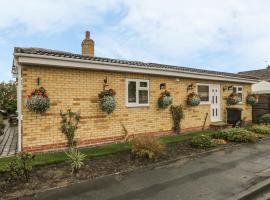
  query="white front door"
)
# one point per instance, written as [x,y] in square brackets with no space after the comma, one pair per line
[215,102]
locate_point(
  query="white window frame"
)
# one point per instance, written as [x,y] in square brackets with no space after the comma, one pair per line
[138,88]
[204,84]
[237,91]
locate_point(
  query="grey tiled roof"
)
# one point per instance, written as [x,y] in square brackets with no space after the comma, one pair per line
[263,74]
[49,52]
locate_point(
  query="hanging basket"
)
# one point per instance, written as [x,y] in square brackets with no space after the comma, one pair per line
[193,99]
[232,99]
[107,101]
[38,101]
[165,99]
[251,100]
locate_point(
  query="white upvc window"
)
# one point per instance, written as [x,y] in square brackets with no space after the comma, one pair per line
[137,92]
[239,91]
[203,90]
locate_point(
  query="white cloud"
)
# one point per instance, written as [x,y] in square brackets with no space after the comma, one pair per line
[190,28]
[226,34]
[51,15]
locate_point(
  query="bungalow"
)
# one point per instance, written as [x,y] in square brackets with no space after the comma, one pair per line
[75,80]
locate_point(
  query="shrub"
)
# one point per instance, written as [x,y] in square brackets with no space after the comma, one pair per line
[21,166]
[265,119]
[38,101]
[251,100]
[202,142]
[233,99]
[76,159]
[2,125]
[165,99]
[146,147]
[218,141]
[8,97]
[260,129]
[177,115]
[236,135]
[107,100]
[69,124]
[193,99]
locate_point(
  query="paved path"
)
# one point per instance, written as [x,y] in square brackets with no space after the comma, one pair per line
[219,175]
[9,140]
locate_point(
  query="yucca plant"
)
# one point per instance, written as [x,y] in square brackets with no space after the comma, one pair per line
[76,159]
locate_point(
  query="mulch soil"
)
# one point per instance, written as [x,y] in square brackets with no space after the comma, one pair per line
[59,175]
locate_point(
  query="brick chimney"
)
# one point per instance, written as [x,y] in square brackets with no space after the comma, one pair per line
[88,45]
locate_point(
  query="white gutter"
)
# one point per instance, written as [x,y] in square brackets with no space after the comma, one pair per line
[19,103]
[33,59]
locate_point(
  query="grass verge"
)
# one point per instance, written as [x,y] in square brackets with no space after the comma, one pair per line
[57,157]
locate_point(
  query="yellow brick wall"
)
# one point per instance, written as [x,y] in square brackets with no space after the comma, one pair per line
[78,89]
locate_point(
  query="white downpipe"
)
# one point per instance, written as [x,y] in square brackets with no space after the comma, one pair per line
[19,107]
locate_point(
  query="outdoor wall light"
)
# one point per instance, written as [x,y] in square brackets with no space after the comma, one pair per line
[162,86]
[190,87]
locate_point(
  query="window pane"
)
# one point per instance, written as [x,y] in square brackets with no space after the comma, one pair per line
[143,84]
[132,92]
[143,97]
[240,96]
[239,89]
[203,92]
[234,89]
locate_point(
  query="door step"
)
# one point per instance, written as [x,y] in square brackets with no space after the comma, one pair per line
[219,125]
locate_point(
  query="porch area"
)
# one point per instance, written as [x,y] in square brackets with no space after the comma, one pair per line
[9,140]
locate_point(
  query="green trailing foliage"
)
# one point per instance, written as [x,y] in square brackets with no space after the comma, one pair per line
[146,147]
[76,159]
[260,129]
[165,99]
[107,100]
[69,124]
[21,166]
[264,119]
[177,116]
[193,99]
[8,97]
[38,101]
[239,135]
[202,142]
[251,100]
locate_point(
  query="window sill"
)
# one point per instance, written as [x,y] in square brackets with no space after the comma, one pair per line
[204,103]
[137,106]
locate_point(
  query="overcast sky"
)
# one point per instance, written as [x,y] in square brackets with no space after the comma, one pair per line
[224,35]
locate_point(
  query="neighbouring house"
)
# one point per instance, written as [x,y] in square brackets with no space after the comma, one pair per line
[75,80]
[262,89]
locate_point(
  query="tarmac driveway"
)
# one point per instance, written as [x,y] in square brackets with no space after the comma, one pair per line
[218,175]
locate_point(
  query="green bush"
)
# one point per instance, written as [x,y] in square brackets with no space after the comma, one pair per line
[75,158]
[8,97]
[236,135]
[177,115]
[2,125]
[21,166]
[202,142]
[260,129]
[146,147]
[264,119]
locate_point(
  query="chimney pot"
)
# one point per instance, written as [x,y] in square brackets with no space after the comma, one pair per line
[88,45]
[87,35]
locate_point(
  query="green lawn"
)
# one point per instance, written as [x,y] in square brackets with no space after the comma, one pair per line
[56,157]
